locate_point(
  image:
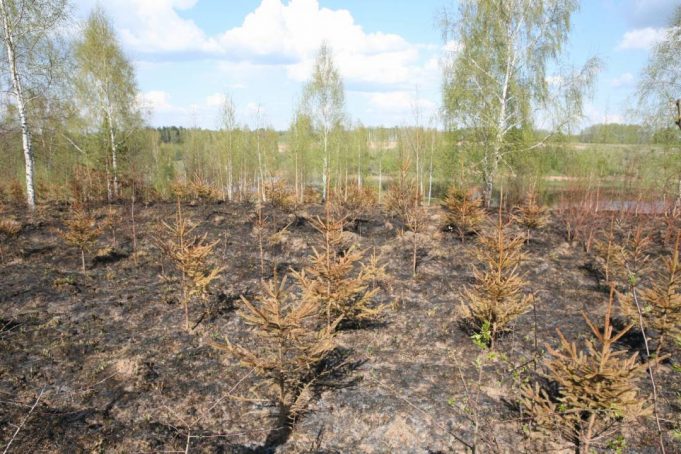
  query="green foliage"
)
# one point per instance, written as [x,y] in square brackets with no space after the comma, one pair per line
[497,79]
[660,84]
[483,338]
[323,101]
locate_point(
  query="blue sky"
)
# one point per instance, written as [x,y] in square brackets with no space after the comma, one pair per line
[189,54]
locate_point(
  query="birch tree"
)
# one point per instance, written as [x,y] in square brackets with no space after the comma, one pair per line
[659,88]
[106,87]
[300,139]
[496,80]
[324,99]
[28,31]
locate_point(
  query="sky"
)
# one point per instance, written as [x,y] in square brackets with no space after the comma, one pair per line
[190,54]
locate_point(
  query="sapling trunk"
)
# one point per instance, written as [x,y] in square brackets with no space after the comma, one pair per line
[585,440]
[414,257]
[185,303]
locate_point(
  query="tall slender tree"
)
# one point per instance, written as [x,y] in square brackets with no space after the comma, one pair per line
[28,32]
[300,138]
[106,87]
[496,81]
[228,125]
[659,88]
[324,99]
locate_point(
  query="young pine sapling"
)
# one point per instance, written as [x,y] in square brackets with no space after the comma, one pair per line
[190,254]
[81,231]
[496,298]
[597,388]
[288,345]
[464,213]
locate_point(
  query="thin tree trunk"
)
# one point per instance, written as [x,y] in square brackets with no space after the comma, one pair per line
[21,107]
[325,169]
[380,177]
[260,170]
[230,170]
[295,176]
[114,152]
[430,172]
[359,165]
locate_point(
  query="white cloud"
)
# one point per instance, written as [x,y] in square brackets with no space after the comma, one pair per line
[554,81]
[401,102]
[452,46]
[156,100]
[256,112]
[623,80]
[596,115]
[215,100]
[150,26]
[291,35]
[276,33]
[642,38]
[278,41]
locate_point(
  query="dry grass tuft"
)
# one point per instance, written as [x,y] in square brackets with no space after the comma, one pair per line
[280,195]
[9,228]
[16,192]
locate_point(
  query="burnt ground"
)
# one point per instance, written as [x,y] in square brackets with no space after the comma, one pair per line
[115,371]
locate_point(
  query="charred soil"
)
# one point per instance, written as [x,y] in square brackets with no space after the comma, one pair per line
[118,373]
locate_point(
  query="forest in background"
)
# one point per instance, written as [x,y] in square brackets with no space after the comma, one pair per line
[89,140]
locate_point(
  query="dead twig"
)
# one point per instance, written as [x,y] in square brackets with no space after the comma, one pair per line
[651,374]
[35,404]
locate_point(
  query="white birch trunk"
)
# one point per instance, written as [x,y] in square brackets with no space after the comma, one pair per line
[21,107]
[114,152]
[325,169]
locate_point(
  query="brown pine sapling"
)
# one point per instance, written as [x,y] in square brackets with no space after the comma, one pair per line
[464,213]
[402,195]
[259,228]
[355,202]
[660,303]
[496,298]
[332,280]
[531,214]
[82,231]
[190,254]
[597,389]
[415,222]
[286,345]
[113,223]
